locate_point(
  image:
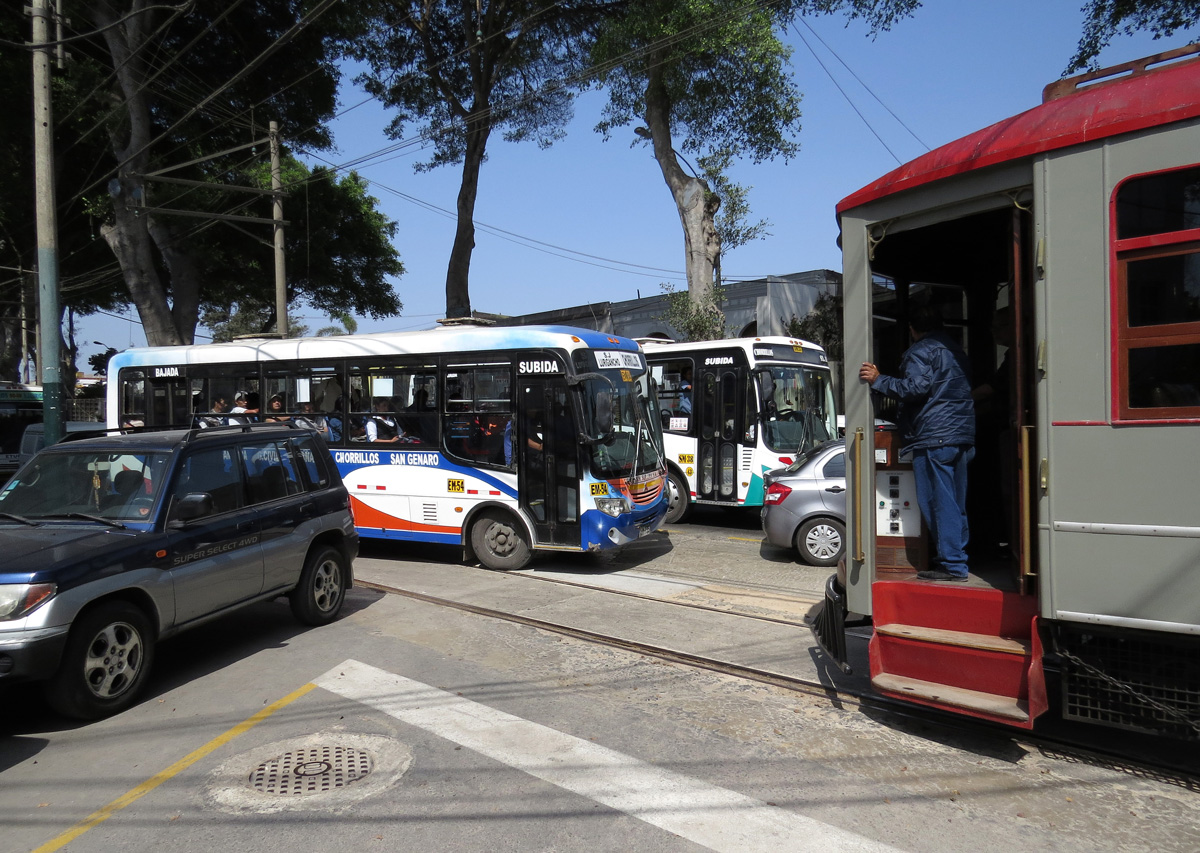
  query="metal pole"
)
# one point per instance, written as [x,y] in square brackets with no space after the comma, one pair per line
[281,321]
[47,225]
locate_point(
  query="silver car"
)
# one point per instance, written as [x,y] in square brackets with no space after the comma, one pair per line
[804,506]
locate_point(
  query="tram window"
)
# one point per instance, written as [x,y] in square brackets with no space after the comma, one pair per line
[1164,377]
[1159,204]
[1158,295]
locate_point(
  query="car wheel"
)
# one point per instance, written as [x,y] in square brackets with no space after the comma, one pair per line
[104,664]
[499,542]
[318,597]
[821,541]
[679,499]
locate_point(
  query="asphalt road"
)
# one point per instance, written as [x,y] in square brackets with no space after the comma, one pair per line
[452,731]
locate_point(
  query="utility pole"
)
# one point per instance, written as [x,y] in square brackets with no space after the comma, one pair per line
[47,224]
[281,319]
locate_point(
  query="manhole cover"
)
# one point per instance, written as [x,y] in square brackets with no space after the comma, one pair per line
[314,770]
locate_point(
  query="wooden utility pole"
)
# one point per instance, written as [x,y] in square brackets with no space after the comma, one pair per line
[49,359]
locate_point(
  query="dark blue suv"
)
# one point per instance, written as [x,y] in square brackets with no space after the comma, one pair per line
[111,544]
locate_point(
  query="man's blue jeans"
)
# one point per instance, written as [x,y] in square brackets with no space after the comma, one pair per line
[941,475]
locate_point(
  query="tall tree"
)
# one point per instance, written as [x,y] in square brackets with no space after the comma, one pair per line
[463,68]
[1103,19]
[185,89]
[709,78]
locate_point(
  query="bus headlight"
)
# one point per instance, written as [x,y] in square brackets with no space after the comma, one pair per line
[17,599]
[612,506]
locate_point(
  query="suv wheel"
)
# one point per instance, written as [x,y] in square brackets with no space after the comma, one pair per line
[821,541]
[104,663]
[318,597]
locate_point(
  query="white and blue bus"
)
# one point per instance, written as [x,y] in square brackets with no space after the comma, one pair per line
[733,409]
[502,440]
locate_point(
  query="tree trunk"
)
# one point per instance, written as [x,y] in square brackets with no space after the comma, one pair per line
[130,242]
[697,207]
[129,235]
[458,296]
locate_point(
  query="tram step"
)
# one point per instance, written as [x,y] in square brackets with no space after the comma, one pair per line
[953,607]
[941,636]
[978,662]
[945,696]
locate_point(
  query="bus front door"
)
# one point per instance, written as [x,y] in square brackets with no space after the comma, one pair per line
[547,452]
[719,414]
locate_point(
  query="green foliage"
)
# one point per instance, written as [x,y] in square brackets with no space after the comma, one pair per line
[732,216]
[692,319]
[722,64]
[823,325]
[1103,19]
[248,318]
[99,361]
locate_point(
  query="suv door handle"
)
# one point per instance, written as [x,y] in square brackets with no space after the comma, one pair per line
[835,489]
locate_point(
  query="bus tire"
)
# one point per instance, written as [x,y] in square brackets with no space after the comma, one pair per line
[321,591]
[104,664]
[679,499]
[499,541]
[821,541]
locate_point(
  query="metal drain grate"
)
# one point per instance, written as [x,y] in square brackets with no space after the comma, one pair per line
[310,771]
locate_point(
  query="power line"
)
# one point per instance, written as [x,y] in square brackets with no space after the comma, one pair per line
[853,106]
[879,100]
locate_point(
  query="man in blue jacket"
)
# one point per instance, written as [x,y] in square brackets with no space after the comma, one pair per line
[937,422]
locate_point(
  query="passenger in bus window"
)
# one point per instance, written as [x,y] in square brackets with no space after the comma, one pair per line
[246,403]
[937,421]
[382,426]
[309,419]
[216,416]
[685,391]
[277,408]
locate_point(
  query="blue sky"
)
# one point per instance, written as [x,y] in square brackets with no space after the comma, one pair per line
[604,220]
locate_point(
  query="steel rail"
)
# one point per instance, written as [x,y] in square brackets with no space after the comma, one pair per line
[1059,748]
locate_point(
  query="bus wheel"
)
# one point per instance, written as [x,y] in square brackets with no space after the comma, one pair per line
[679,499]
[821,541]
[499,542]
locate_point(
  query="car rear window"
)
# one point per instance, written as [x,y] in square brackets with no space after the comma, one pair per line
[313,461]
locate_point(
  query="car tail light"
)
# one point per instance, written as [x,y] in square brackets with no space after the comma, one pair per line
[776,492]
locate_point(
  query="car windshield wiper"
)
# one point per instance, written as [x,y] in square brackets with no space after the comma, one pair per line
[86,517]
[19,518]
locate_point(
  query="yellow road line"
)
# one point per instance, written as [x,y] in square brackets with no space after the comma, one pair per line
[744,539]
[132,796]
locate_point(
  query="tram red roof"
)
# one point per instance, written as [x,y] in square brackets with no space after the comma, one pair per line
[1147,98]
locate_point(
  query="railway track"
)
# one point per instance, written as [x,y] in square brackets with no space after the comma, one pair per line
[1182,772]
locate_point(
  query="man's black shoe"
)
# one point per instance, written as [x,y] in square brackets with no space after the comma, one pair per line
[940,575]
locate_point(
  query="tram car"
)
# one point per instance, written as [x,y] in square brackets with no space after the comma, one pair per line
[1062,249]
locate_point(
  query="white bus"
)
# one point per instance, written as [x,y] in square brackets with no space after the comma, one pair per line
[733,409]
[501,440]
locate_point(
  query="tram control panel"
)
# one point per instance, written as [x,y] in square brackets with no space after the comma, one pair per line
[901,541]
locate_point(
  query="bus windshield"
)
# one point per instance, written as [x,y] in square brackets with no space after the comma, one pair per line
[621,421]
[798,410]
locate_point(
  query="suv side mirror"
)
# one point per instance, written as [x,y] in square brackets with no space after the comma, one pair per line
[190,507]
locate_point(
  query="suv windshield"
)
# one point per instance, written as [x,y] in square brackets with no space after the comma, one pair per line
[103,485]
[798,411]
